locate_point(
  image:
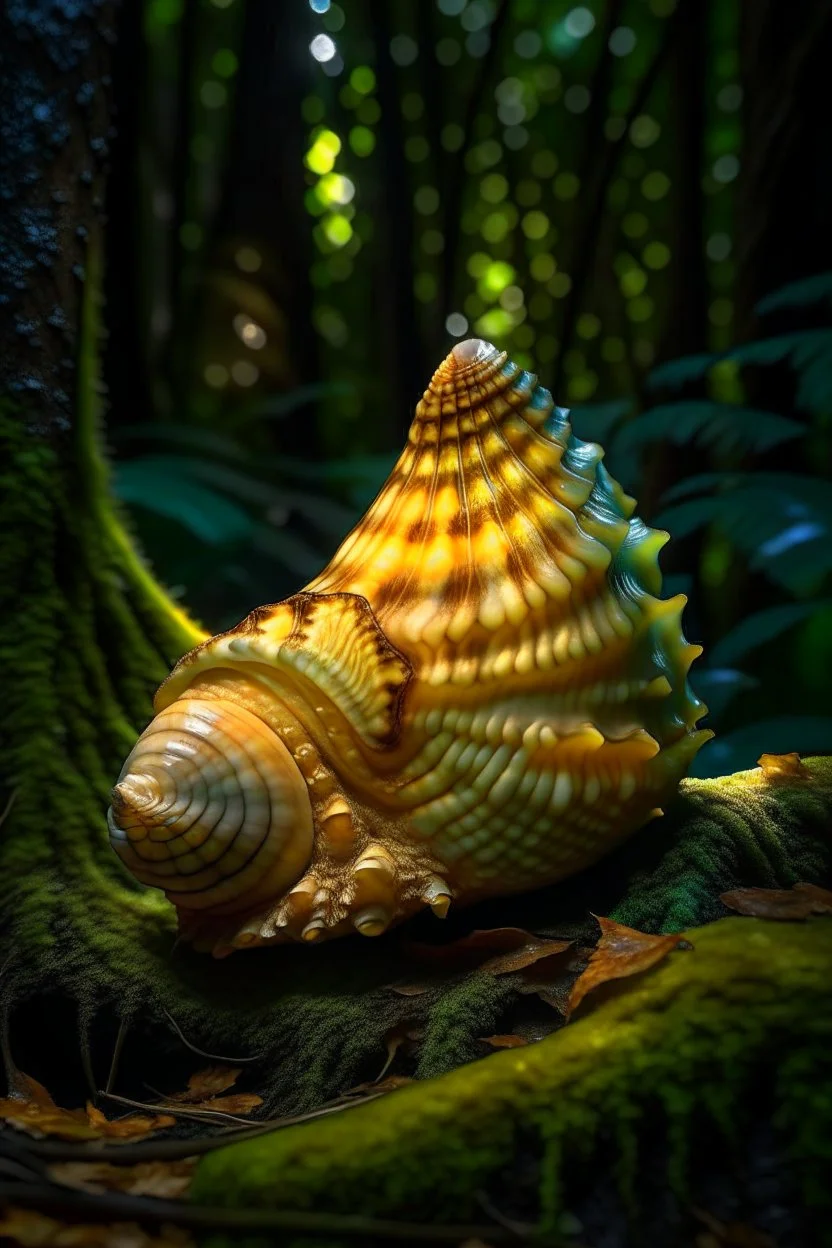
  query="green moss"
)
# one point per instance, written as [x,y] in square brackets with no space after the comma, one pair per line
[750,1002]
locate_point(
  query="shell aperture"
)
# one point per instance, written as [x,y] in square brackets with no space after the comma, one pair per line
[482,692]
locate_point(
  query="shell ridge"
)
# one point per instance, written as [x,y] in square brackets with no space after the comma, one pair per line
[416,549]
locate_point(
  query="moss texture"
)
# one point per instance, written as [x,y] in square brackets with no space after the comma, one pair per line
[747,1009]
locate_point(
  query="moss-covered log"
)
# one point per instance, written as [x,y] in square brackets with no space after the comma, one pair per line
[741,1021]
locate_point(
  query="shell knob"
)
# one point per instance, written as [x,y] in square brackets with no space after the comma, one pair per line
[211,807]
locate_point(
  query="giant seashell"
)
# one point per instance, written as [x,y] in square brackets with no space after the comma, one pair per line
[481,693]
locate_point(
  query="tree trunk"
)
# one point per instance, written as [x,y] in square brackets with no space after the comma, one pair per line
[85,631]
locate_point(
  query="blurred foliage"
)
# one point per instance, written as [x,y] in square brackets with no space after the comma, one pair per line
[319,199]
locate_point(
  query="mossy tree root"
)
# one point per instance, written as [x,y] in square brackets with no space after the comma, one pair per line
[746,1012]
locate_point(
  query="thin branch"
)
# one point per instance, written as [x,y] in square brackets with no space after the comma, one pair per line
[214,1057]
[456,184]
[199,1115]
[8,807]
[112,1206]
[169,1150]
[123,1028]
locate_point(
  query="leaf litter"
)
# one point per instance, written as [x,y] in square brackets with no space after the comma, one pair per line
[621,952]
[783,904]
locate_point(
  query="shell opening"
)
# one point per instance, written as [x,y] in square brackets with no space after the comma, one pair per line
[211,807]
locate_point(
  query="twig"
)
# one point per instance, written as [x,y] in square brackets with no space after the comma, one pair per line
[7,808]
[123,1028]
[523,1230]
[174,1150]
[110,1206]
[199,1115]
[214,1057]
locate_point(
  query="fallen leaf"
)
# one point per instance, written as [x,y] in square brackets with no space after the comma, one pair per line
[783,768]
[408,990]
[238,1103]
[505,1042]
[34,1111]
[780,903]
[167,1180]
[497,950]
[390,1084]
[30,1229]
[131,1127]
[621,951]
[207,1083]
[202,1092]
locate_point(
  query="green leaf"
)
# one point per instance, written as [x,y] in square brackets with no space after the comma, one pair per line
[801,294]
[204,440]
[722,426]
[595,421]
[740,749]
[782,521]
[202,511]
[761,627]
[677,373]
[276,406]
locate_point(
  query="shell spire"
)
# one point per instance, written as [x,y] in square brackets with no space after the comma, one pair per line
[497,521]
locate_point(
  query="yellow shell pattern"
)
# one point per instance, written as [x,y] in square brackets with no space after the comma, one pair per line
[482,692]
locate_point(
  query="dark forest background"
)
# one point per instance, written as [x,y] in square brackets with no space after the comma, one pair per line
[310,202]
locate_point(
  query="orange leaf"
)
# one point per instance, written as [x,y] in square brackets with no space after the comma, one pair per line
[207,1083]
[783,768]
[505,1042]
[34,1111]
[390,1084]
[497,950]
[131,1127]
[621,951]
[237,1103]
[165,1180]
[780,903]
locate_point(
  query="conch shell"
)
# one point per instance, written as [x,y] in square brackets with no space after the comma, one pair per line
[480,694]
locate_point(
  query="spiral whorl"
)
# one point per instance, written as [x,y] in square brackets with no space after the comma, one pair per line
[211,807]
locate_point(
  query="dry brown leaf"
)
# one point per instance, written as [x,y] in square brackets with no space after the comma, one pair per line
[208,1083]
[621,951]
[780,903]
[131,1127]
[505,1042]
[497,950]
[783,768]
[390,1084]
[30,1229]
[35,1112]
[408,990]
[202,1092]
[238,1103]
[167,1180]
